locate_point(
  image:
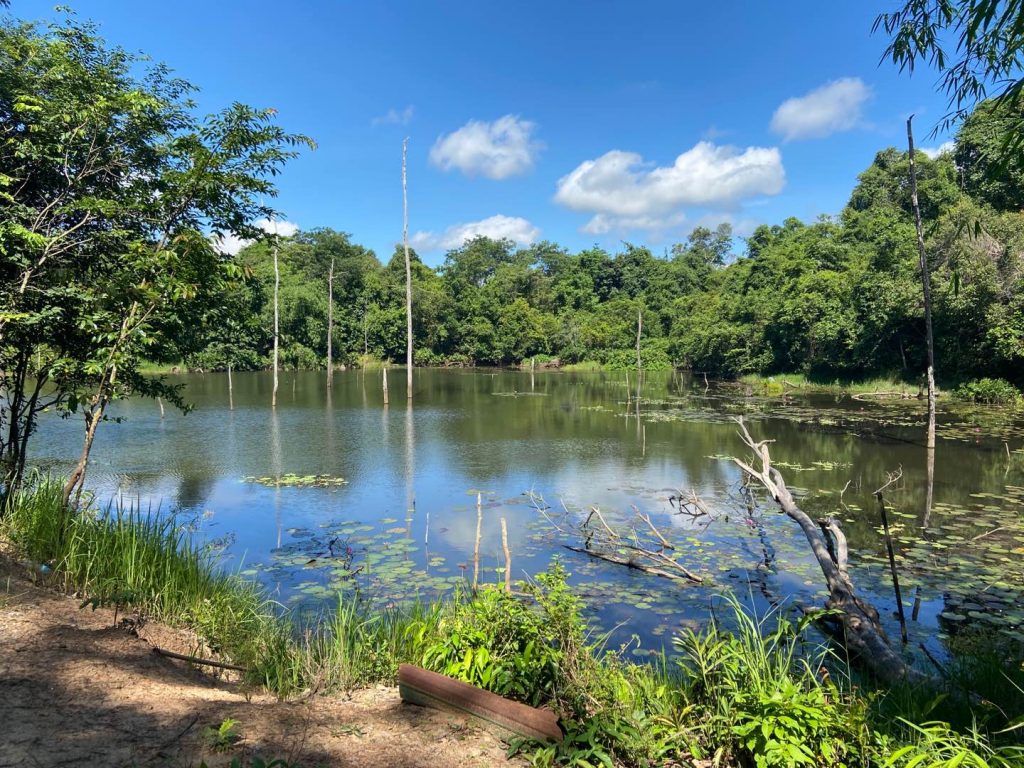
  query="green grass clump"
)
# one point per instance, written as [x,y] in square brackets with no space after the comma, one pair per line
[777,384]
[584,366]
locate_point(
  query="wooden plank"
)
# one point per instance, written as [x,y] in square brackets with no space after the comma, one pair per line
[499,715]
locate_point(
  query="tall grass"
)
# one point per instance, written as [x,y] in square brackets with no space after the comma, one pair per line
[799,382]
[123,556]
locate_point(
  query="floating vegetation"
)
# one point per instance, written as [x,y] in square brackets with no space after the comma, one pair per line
[826,466]
[297,481]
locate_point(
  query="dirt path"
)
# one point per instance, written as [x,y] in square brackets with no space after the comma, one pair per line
[76,690]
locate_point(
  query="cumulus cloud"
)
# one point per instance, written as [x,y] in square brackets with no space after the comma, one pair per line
[834,107]
[230,244]
[497,227]
[394,117]
[625,192]
[496,150]
[943,148]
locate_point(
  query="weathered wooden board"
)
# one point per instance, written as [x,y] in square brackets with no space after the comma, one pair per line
[496,713]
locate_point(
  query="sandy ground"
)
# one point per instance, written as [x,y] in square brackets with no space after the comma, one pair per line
[77,690]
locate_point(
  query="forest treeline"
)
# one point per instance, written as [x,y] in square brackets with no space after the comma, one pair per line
[839,297]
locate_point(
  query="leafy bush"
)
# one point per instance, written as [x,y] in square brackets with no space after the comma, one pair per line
[763,697]
[990,391]
[498,642]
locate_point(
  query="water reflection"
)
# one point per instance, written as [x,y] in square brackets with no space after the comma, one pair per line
[612,440]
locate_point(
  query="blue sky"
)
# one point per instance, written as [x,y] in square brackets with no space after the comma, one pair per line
[578,122]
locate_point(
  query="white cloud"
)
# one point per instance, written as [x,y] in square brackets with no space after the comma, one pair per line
[394,117]
[943,148]
[230,244]
[496,150]
[602,223]
[497,227]
[834,107]
[625,192]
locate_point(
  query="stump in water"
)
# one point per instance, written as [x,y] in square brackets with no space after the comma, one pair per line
[861,629]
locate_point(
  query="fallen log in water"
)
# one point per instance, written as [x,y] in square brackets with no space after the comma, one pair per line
[861,629]
[632,563]
[500,715]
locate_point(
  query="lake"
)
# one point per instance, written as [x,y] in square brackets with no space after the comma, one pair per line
[403,523]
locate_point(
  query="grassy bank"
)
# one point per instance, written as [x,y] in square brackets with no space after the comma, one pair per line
[757,695]
[797,382]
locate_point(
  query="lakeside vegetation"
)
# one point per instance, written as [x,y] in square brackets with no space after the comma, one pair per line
[766,692]
[118,200]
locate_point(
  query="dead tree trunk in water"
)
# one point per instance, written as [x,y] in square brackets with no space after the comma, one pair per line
[408,278]
[330,324]
[639,331]
[863,633]
[927,285]
[277,289]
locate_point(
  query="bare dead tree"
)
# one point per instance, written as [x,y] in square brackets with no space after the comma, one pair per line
[408,276]
[277,290]
[862,631]
[330,324]
[926,284]
[639,332]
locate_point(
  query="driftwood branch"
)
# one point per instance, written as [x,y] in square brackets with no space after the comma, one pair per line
[635,564]
[862,630]
[197,660]
[649,554]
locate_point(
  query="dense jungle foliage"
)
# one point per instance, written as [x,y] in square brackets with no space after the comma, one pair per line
[839,297]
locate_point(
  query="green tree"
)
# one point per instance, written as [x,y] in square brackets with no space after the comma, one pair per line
[110,185]
[988,175]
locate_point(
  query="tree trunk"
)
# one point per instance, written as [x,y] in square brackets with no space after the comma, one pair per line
[231,391]
[926,283]
[330,324]
[77,479]
[408,276]
[277,288]
[93,418]
[104,392]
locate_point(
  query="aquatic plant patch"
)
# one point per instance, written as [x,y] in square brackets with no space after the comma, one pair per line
[291,480]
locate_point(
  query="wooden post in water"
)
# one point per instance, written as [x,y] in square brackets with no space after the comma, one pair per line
[231,394]
[385,370]
[476,547]
[892,562]
[160,402]
[508,556]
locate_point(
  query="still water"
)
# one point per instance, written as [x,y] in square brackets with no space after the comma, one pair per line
[403,524]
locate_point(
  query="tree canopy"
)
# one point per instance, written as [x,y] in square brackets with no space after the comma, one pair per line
[838,297]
